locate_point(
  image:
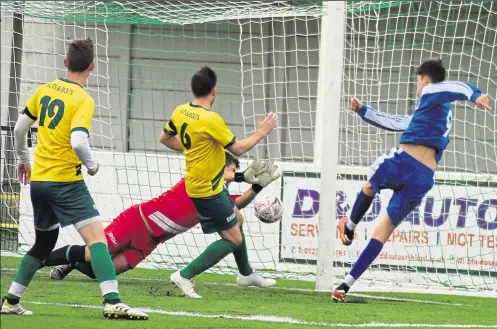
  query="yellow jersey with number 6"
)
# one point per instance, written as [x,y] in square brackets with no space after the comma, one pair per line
[204,136]
[60,107]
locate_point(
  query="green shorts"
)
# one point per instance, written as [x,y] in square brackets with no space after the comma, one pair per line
[62,204]
[216,212]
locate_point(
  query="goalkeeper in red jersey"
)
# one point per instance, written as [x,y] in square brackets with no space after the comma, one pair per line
[137,231]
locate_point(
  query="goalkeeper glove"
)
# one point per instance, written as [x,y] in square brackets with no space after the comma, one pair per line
[269,175]
[256,168]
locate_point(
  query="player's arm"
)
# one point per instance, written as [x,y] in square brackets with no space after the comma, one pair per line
[221,133]
[379,119]
[168,137]
[247,197]
[23,124]
[80,133]
[449,91]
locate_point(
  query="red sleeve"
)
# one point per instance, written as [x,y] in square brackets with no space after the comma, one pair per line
[235,196]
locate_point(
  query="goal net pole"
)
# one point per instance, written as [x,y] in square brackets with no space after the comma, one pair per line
[327,133]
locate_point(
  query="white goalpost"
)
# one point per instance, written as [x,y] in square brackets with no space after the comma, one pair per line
[326,134]
[302,60]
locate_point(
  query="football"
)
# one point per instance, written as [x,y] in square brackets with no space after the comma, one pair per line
[269,209]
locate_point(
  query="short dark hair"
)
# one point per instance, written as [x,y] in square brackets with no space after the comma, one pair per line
[203,81]
[79,55]
[432,68]
[230,160]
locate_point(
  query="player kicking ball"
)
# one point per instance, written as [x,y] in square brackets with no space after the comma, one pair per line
[202,135]
[409,169]
[59,196]
[137,231]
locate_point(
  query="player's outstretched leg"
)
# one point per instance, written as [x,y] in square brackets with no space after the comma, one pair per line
[247,277]
[120,262]
[347,226]
[44,243]
[380,235]
[64,259]
[60,272]
[66,255]
[93,234]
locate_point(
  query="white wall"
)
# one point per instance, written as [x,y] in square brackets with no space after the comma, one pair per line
[164,58]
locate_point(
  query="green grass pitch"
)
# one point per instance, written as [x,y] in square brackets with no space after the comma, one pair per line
[75,303]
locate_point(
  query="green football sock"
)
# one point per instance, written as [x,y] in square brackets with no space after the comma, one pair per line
[25,273]
[104,270]
[210,257]
[241,257]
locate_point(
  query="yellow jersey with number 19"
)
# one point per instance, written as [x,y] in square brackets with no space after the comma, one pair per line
[204,136]
[60,107]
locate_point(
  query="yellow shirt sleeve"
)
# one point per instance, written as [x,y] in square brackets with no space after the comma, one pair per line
[83,114]
[170,128]
[31,109]
[219,131]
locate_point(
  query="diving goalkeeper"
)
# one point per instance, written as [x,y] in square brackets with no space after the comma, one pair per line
[137,231]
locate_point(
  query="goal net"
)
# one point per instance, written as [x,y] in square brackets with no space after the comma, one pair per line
[268,56]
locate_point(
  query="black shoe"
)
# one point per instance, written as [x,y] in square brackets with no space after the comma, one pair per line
[60,272]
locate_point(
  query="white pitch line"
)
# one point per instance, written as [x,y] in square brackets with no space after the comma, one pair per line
[393,299]
[280,319]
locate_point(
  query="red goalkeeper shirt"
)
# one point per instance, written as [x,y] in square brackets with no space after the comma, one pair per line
[172,212]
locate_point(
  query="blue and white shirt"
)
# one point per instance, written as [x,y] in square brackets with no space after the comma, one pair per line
[431,122]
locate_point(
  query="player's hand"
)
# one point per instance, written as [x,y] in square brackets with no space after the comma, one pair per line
[256,168]
[268,124]
[355,104]
[93,171]
[482,102]
[24,173]
[269,175]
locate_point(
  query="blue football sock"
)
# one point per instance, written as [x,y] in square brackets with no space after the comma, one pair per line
[361,205]
[366,258]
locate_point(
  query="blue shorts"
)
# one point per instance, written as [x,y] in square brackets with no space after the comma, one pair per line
[407,177]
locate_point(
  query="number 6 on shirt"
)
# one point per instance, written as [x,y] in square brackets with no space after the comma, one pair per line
[185,138]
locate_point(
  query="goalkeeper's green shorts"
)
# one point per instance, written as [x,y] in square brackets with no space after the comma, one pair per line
[63,204]
[216,212]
